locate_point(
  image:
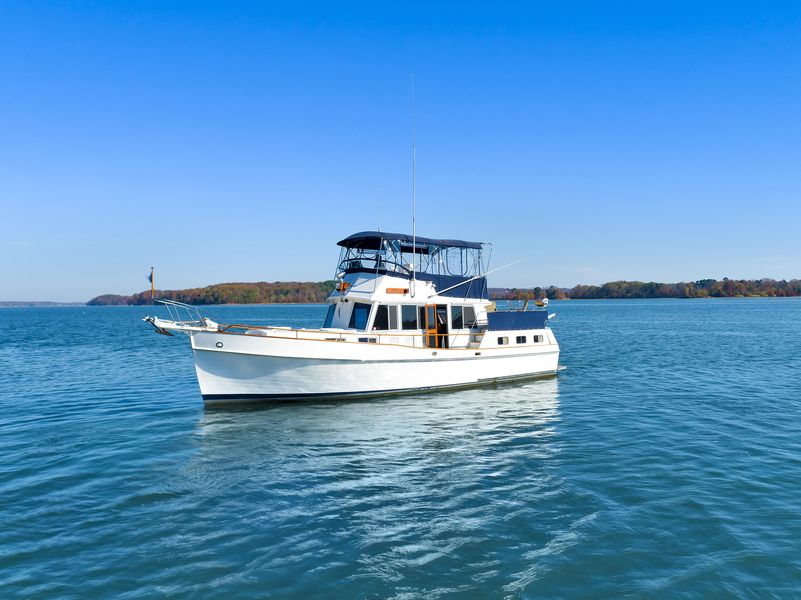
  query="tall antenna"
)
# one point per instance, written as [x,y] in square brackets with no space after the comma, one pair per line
[379,210]
[414,190]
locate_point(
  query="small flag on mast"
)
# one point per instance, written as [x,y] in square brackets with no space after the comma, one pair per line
[150,278]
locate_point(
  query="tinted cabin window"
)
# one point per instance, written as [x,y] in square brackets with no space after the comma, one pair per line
[358,318]
[456,317]
[381,318]
[503,340]
[329,318]
[469,316]
[409,316]
[521,339]
[393,317]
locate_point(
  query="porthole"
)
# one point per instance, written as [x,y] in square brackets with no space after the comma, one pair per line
[219,344]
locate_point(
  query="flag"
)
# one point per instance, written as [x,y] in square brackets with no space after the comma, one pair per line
[152,285]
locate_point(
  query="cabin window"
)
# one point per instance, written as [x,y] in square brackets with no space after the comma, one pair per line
[468,316]
[409,316]
[358,318]
[456,317]
[537,338]
[502,341]
[329,317]
[386,317]
[381,321]
[521,339]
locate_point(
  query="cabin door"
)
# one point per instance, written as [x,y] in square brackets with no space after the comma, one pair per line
[431,325]
[442,326]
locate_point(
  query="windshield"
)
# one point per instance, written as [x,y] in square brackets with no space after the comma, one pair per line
[329,317]
[359,316]
[392,257]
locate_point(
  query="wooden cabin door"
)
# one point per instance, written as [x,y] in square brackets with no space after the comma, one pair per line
[431,326]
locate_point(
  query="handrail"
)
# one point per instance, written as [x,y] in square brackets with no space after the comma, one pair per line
[372,264]
[192,312]
[354,336]
[520,306]
[174,303]
[354,332]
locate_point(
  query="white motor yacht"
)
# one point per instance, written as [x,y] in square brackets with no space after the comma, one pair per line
[408,314]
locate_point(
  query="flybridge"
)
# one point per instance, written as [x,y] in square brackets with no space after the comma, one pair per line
[455,264]
[374,240]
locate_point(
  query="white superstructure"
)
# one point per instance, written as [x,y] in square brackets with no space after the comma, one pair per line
[407,314]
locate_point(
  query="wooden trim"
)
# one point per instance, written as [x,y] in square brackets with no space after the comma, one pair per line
[426,348]
[355,335]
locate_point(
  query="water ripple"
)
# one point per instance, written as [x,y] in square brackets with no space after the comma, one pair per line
[663,462]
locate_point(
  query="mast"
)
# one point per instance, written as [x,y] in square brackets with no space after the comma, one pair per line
[414,191]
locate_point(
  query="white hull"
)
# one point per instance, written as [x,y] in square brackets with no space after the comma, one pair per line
[250,368]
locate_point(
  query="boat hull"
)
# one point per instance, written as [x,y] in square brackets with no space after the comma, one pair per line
[248,369]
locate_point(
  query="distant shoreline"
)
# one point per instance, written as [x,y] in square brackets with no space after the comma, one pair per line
[316,292]
[45,304]
[293,292]
[37,303]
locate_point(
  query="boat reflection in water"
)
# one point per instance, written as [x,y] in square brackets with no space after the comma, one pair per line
[370,491]
[523,409]
[308,449]
[367,492]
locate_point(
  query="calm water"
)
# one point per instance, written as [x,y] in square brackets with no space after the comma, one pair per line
[665,461]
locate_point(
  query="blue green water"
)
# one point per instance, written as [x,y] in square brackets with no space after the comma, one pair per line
[665,461]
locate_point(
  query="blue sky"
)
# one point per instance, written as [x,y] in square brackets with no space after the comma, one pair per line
[239,141]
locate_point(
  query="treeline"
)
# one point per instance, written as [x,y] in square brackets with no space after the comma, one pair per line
[298,292]
[704,288]
[312,292]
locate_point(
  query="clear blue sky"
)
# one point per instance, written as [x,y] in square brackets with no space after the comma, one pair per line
[238,141]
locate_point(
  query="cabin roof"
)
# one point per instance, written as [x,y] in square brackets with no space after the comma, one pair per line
[371,240]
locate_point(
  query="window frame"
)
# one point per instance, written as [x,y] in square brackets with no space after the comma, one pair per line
[357,306]
[454,318]
[408,308]
[381,310]
[472,323]
[391,312]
